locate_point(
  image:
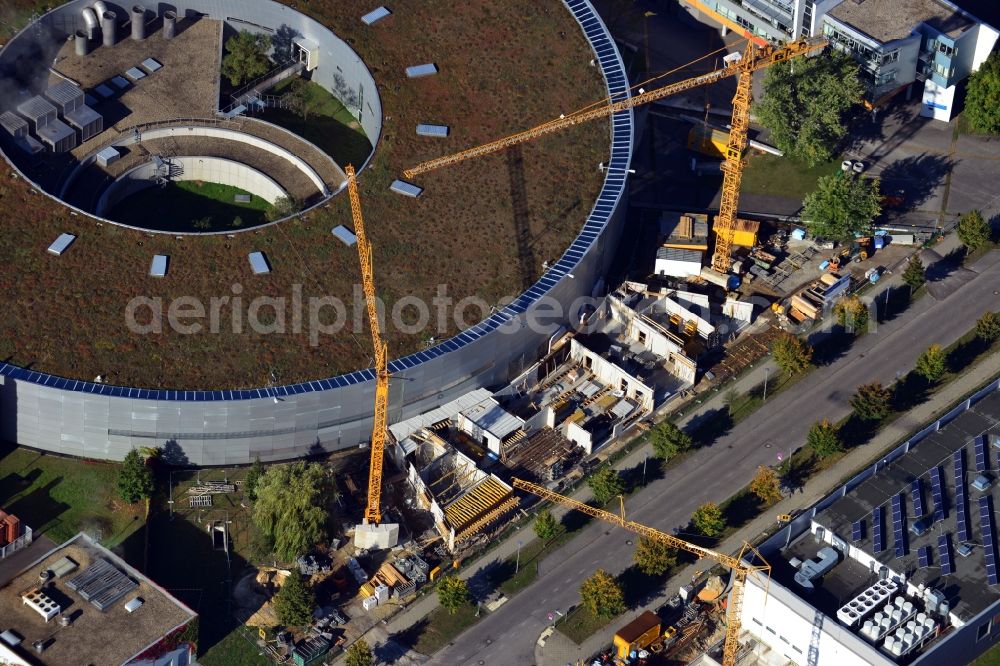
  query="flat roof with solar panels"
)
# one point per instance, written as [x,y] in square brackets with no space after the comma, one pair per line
[924,519]
[98,592]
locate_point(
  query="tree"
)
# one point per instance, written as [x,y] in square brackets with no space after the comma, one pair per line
[871,402]
[824,439]
[295,601]
[851,313]
[253,478]
[766,485]
[931,364]
[606,483]
[246,57]
[453,592]
[545,525]
[135,479]
[708,519]
[281,208]
[973,230]
[668,440]
[654,557]
[291,507]
[806,102]
[842,206]
[982,99]
[359,654]
[791,354]
[602,595]
[913,274]
[300,99]
[988,327]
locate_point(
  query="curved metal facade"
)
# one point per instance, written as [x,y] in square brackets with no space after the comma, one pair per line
[232,427]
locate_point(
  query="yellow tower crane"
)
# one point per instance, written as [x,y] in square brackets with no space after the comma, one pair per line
[373,512]
[739,567]
[743,65]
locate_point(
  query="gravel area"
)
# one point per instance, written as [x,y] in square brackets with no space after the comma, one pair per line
[185,87]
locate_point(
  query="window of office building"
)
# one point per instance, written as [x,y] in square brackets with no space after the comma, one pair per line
[807,18]
[947,50]
[887,77]
[983,631]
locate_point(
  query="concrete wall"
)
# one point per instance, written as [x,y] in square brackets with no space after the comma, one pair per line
[206,169]
[232,427]
[610,374]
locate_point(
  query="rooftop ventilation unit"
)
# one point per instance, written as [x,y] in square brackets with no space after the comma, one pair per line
[981,483]
[909,637]
[888,619]
[865,603]
[169,24]
[41,603]
[138,23]
[810,570]
[109,28]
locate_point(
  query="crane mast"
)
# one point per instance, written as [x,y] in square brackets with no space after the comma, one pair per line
[373,512]
[739,567]
[732,168]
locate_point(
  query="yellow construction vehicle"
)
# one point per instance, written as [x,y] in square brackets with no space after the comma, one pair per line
[373,511]
[740,568]
[742,65]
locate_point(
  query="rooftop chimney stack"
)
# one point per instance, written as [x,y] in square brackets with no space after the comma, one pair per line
[169,25]
[109,28]
[138,23]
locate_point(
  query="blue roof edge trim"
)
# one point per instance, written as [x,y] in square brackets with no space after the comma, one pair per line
[622,123]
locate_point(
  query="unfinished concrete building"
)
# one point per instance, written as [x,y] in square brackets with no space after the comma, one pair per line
[464,500]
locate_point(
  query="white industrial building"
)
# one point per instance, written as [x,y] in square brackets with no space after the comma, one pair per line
[898,566]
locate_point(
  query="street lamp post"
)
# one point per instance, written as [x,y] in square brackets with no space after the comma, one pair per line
[766,372]
[517,564]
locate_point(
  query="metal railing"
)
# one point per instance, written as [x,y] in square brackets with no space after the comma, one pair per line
[17,544]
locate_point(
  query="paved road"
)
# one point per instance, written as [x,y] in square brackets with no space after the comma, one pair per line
[508,636]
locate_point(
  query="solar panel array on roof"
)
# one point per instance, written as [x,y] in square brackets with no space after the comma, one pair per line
[858,530]
[982,462]
[917,496]
[962,518]
[924,557]
[135,73]
[898,525]
[959,458]
[937,490]
[944,555]
[878,514]
[151,65]
[989,539]
[119,82]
